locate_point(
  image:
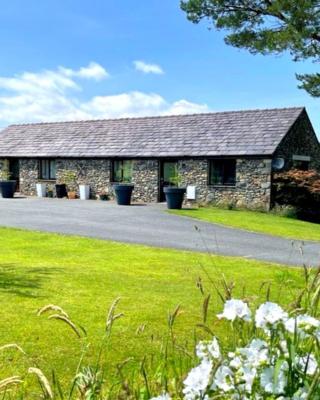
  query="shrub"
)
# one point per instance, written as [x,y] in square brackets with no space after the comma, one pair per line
[301,190]
[69,178]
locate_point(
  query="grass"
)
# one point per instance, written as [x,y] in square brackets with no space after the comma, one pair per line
[256,221]
[84,276]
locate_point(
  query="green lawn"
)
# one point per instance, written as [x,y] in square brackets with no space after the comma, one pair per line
[84,275]
[256,221]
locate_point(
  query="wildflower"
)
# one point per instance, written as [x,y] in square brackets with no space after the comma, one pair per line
[235,309]
[271,383]
[197,380]
[247,375]
[236,362]
[260,369]
[163,396]
[283,346]
[308,364]
[256,353]
[223,379]
[300,394]
[268,315]
[245,361]
[305,324]
[208,349]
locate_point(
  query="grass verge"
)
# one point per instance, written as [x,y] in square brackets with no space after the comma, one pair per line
[256,221]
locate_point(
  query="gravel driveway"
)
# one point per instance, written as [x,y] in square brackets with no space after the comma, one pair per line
[150,225]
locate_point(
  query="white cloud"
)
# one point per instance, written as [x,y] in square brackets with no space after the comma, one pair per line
[124,105]
[44,81]
[52,96]
[92,71]
[187,107]
[148,68]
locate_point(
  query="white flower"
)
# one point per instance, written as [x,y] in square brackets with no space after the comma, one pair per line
[163,396]
[304,323]
[223,379]
[236,363]
[284,347]
[269,314]
[197,380]
[235,309]
[245,361]
[308,364]
[208,349]
[271,383]
[248,375]
[301,394]
[256,354]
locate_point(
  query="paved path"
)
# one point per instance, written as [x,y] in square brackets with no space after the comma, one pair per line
[151,225]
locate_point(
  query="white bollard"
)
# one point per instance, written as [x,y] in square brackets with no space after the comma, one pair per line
[84,192]
[41,189]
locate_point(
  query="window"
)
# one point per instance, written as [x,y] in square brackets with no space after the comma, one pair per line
[122,171]
[301,164]
[47,169]
[222,172]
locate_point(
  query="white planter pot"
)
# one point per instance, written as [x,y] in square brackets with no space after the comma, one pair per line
[41,189]
[84,192]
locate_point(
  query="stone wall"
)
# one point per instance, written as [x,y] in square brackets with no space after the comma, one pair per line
[252,189]
[301,140]
[29,175]
[145,180]
[97,174]
[94,172]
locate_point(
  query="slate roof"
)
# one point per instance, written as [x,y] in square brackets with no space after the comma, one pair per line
[253,132]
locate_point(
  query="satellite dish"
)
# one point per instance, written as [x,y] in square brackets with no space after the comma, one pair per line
[278,164]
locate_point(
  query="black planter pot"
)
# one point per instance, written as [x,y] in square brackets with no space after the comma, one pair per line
[123,194]
[61,191]
[174,197]
[7,189]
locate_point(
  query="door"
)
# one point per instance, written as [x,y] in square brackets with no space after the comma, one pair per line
[168,174]
[14,171]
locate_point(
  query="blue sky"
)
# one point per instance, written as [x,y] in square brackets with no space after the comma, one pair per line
[77,59]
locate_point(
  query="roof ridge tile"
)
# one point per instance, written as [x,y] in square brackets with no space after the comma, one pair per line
[161,116]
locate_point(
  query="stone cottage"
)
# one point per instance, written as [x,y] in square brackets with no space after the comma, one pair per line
[229,157]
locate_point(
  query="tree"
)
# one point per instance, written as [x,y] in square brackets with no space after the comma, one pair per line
[266,27]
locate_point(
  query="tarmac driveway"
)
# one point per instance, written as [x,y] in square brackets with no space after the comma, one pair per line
[151,225]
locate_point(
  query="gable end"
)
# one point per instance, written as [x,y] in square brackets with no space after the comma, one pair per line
[301,140]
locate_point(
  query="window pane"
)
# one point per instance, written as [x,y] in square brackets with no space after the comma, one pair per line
[127,171]
[117,171]
[229,177]
[52,169]
[170,173]
[302,165]
[216,177]
[47,169]
[122,171]
[44,169]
